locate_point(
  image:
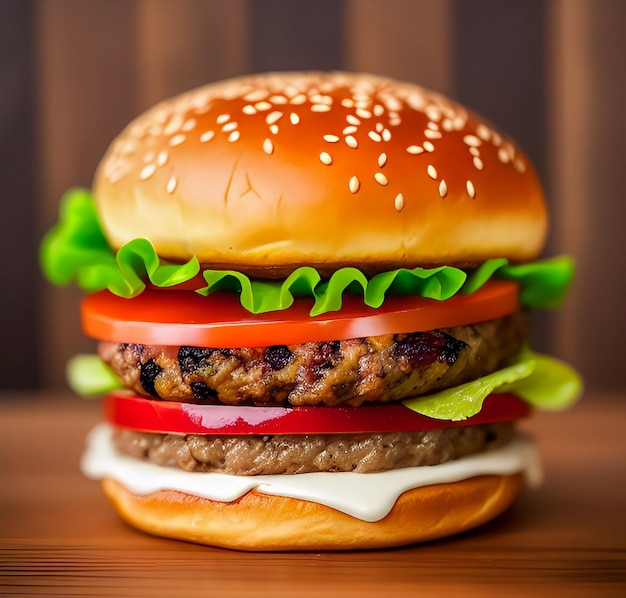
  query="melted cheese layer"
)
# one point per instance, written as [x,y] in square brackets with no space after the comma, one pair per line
[366,496]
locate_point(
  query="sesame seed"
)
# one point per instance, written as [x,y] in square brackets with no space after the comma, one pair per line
[272,117]
[171,185]
[381,178]
[503,155]
[147,172]
[519,164]
[374,136]
[433,112]
[414,149]
[321,99]
[478,163]
[326,158]
[268,146]
[379,127]
[331,138]
[399,202]
[483,132]
[432,134]
[148,157]
[256,95]
[177,139]
[249,109]
[363,113]
[349,130]
[469,187]
[355,184]
[353,120]
[347,103]
[351,141]
[290,91]
[497,140]
[189,124]
[394,121]
[428,146]
[458,122]
[386,134]
[222,118]
[174,125]
[233,136]
[471,140]
[433,126]
[382,160]
[432,171]
[299,99]
[447,124]
[320,108]
[474,151]
[393,103]
[379,110]
[231,126]
[294,118]
[443,188]
[262,106]
[278,99]
[207,136]
[162,158]
[274,129]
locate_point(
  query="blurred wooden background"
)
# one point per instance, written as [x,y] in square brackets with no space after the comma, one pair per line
[549,72]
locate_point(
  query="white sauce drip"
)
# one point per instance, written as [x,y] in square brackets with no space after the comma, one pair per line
[366,496]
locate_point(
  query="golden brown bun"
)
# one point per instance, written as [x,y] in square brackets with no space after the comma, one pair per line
[311,168]
[262,522]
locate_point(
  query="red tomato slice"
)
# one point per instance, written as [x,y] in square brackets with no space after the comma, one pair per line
[147,415]
[185,318]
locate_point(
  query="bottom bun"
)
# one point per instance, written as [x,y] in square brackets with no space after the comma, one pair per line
[260,521]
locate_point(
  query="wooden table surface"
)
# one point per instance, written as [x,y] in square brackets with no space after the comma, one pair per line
[59,536]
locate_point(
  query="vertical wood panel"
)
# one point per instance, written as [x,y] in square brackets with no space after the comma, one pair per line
[410,40]
[88,90]
[500,73]
[188,43]
[303,35]
[500,67]
[588,130]
[19,321]
[101,63]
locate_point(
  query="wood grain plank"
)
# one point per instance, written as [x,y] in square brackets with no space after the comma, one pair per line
[569,536]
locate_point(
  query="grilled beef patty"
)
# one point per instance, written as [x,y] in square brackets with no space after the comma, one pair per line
[290,454]
[350,372]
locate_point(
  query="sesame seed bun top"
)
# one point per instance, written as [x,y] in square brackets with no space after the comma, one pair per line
[323,169]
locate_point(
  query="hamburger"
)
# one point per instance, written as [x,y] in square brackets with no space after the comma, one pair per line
[310,294]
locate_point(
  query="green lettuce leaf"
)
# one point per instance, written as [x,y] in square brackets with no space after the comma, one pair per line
[77,250]
[542,381]
[88,376]
[543,285]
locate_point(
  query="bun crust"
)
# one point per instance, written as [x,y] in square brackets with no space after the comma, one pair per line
[326,169]
[262,522]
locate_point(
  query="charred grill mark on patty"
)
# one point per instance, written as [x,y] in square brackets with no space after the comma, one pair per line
[278,357]
[421,349]
[147,376]
[192,359]
[202,392]
[348,372]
